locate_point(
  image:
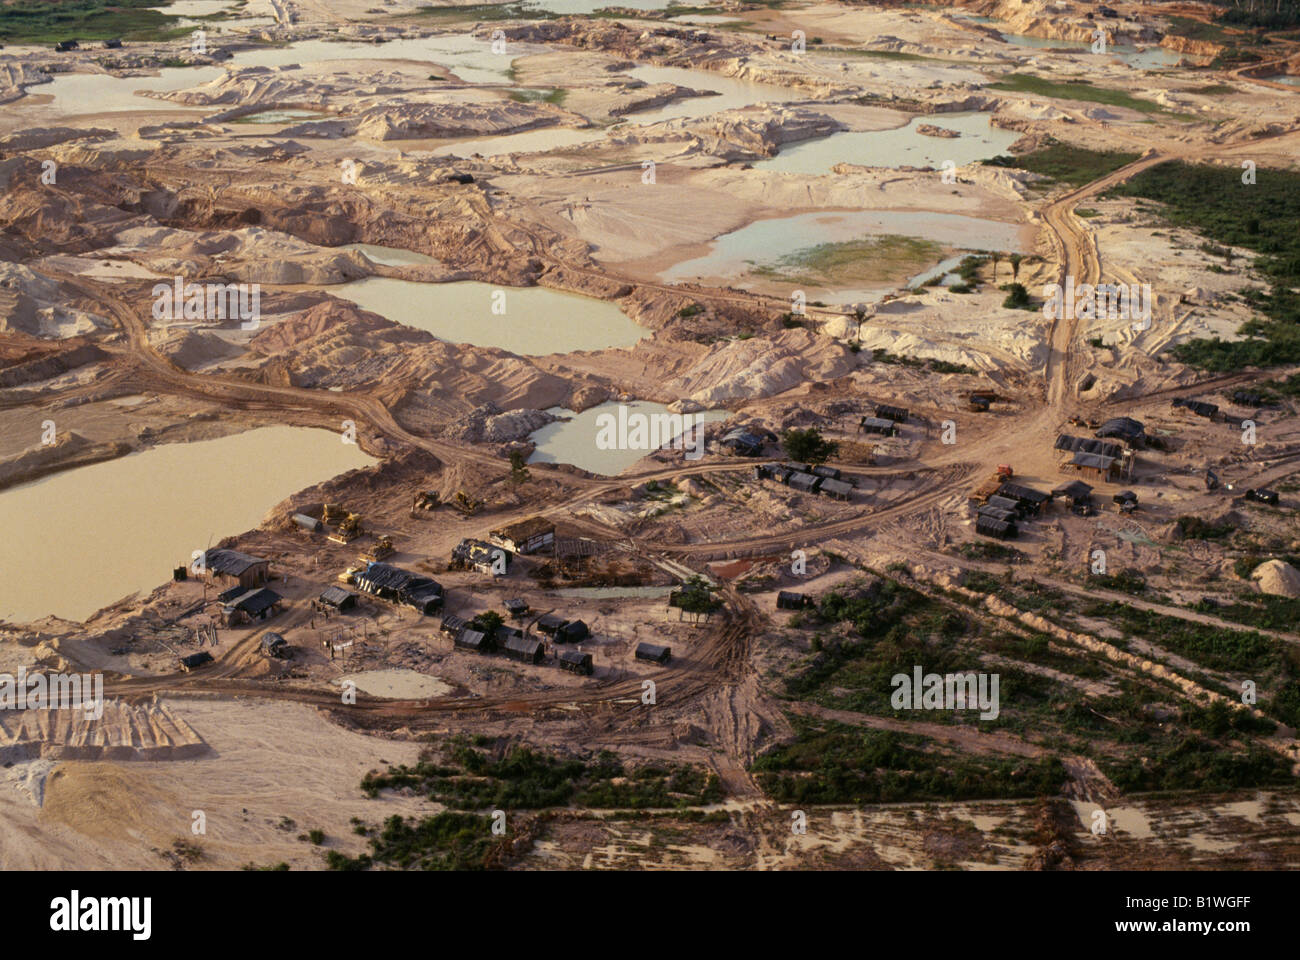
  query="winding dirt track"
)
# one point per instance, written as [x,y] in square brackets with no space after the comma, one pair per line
[1079,262]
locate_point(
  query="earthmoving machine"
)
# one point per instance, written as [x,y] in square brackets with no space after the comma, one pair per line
[348,530]
[425,500]
[994,483]
[383,547]
[980,400]
[466,504]
[1262,496]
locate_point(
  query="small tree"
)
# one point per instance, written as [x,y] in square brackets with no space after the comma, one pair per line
[1017,297]
[807,446]
[697,596]
[518,469]
[859,314]
[487,622]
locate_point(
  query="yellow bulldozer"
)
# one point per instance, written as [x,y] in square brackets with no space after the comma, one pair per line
[349,529]
[466,504]
[383,547]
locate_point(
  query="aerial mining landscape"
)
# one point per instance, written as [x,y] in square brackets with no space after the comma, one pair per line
[581,435]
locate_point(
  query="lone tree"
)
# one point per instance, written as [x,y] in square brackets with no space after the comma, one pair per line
[697,596]
[487,622]
[807,446]
[518,470]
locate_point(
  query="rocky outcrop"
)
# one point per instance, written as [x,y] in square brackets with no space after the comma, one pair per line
[762,367]
[34,304]
[1195,48]
[250,255]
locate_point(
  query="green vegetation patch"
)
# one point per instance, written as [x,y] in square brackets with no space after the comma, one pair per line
[1261,217]
[881,54]
[524,779]
[556,96]
[879,259]
[1074,90]
[831,762]
[1063,163]
[484,12]
[445,841]
[896,629]
[1196,764]
[808,446]
[40,21]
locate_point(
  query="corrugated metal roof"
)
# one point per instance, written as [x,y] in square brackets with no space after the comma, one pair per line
[230,562]
[1020,492]
[336,595]
[837,488]
[525,646]
[1093,460]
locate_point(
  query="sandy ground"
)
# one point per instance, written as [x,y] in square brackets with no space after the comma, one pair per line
[267,761]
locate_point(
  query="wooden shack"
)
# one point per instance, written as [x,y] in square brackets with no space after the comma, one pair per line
[574,631]
[232,565]
[654,652]
[575,661]
[524,649]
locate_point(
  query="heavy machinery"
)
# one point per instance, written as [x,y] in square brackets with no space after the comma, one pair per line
[425,500]
[466,504]
[383,547]
[1262,496]
[988,488]
[348,529]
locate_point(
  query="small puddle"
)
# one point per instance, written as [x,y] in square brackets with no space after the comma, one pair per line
[529,321]
[903,146]
[282,116]
[121,526]
[395,684]
[575,441]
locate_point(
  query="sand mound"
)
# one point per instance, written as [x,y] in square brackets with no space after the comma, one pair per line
[763,367]
[34,304]
[249,255]
[1278,578]
[194,349]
